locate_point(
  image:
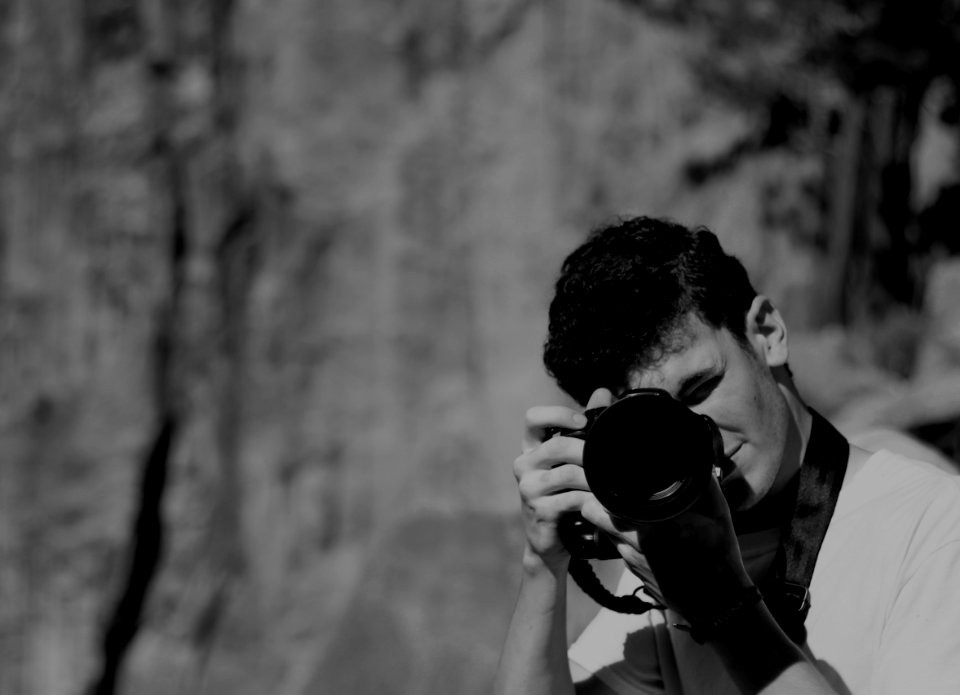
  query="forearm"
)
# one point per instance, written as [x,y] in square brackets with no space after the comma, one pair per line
[762,659]
[534,659]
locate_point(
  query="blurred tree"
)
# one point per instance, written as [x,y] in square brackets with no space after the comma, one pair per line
[847,79]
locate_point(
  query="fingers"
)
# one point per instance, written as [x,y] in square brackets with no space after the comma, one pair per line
[628,534]
[540,418]
[550,475]
[551,482]
[548,509]
[552,453]
[594,512]
[600,398]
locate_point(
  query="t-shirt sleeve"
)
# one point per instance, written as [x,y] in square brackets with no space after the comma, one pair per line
[627,653]
[920,643]
[621,651]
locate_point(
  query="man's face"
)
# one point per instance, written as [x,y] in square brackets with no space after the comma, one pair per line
[716,375]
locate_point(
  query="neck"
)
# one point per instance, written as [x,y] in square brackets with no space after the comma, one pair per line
[799,425]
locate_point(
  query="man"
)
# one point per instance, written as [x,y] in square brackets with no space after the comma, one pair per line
[647,303]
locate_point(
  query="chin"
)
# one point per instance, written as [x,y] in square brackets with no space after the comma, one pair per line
[739,494]
[745,489]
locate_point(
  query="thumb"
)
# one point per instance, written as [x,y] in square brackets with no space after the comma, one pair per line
[600,398]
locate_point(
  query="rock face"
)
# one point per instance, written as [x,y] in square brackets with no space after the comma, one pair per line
[310,246]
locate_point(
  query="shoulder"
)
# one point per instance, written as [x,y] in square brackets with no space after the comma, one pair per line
[898,482]
[892,512]
[882,599]
[916,510]
[884,438]
[910,507]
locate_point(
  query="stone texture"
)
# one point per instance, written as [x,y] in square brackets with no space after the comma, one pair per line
[373,200]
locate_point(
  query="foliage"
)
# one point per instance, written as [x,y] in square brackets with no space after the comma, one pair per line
[845,80]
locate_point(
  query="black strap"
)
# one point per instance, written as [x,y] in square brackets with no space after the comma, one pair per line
[583,574]
[788,594]
[820,479]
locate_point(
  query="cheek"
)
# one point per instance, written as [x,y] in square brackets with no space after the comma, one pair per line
[742,415]
[769,435]
[758,423]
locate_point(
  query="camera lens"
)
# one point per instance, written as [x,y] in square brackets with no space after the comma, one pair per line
[648,457]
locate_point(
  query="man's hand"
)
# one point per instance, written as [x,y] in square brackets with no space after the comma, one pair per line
[550,477]
[695,558]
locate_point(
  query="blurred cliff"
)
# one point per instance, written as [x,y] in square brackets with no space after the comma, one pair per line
[273,287]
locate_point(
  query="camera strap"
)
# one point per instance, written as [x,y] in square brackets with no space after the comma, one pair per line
[820,479]
[787,595]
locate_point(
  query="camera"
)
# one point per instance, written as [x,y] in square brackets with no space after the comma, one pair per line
[647,458]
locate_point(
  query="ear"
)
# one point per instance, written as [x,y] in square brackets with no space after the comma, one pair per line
[767,332]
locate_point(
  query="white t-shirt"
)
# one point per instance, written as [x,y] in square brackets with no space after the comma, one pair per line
[885,599]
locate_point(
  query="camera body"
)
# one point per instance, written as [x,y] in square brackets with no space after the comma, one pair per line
[647,458]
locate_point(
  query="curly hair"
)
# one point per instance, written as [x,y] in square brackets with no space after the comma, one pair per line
[623,297]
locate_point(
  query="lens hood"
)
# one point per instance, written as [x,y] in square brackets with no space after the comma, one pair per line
[648,457]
